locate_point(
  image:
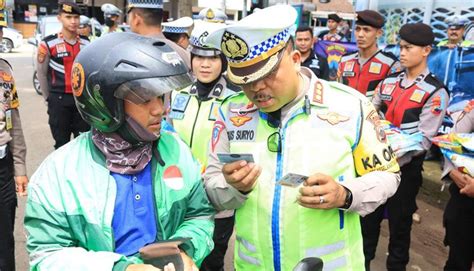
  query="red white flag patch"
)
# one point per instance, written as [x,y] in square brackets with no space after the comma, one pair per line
[173,178]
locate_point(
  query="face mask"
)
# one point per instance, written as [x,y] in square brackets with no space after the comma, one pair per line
[109,22]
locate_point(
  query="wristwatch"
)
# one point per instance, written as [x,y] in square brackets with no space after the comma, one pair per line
[348,200]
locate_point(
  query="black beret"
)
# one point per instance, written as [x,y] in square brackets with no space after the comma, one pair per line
[417,34]
[334,17]
[370,18]
[70,8]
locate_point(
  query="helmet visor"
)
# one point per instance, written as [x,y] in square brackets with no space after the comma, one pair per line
[143,90]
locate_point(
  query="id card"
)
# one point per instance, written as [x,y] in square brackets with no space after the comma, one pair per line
[227,158]
[8,119]
[292,180]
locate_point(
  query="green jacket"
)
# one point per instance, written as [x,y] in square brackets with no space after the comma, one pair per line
[71,202]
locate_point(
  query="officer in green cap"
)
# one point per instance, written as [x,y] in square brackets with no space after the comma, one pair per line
[315,158]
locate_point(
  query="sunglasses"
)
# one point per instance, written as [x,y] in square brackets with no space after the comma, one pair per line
[274,140]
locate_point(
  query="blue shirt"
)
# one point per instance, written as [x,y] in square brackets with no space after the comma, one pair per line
[134,220]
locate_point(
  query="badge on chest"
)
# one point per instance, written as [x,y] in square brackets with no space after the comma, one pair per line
[348,69]
[179,105]
[61,50]
[417,96]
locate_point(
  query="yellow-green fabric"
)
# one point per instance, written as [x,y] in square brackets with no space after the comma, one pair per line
[193,118]
[339,137]
[465,43]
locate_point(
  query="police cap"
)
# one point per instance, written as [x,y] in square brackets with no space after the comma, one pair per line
[334,17]
[254,45]
[370,18]
[69,8]
[212,15]
[145,4]
[418,34]
[456,22]
[110,10]
[182,25]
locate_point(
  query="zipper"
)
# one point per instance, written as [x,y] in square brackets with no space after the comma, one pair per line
[275,227]
[194,125]
[155,172]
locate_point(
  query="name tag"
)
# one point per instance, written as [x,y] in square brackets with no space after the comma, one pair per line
[176,115]
[348,74]
[8,118]
[3,151]
[384,97]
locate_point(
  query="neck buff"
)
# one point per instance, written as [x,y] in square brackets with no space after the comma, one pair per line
[121,156]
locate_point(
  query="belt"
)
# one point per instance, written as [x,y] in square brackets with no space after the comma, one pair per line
[3,151]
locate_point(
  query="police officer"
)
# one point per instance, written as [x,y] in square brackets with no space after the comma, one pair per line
[193,113]
[178,31]
[12,164]
[56,54]
[145,17]
[292,122]
[459,213]
[332,24]
[456,27]
[85,28]
[304,42]
[111,18]
[415,101]
[364,69]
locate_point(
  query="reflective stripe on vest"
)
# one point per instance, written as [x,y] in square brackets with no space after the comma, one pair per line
[366,78]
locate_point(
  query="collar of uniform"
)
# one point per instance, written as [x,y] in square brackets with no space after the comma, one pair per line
[316,88]
[217,91]
[61,36]
[419,78]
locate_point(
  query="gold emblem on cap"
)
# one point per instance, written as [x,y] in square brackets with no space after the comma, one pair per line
[234,47]
[210,14]
[67,8]
[2,4]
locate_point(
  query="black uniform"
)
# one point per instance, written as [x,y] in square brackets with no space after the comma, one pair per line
[317,64]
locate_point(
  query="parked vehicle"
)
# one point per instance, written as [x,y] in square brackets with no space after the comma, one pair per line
[12,39]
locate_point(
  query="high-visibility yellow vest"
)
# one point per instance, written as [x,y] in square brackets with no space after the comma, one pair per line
[333,131]
[193,118]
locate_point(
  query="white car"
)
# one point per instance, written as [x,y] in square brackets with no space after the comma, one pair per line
[12,39]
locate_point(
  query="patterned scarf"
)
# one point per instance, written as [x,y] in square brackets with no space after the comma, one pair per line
[121,156]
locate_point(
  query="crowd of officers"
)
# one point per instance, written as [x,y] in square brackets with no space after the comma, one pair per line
[255,90]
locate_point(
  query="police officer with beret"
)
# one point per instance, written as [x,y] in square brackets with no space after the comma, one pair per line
[111,18]
[309,168]
[332,24]
[364,69]
[415,101]
[56,53]
[145,17]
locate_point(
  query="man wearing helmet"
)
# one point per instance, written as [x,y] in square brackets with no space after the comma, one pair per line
[111,18]
[96,202]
